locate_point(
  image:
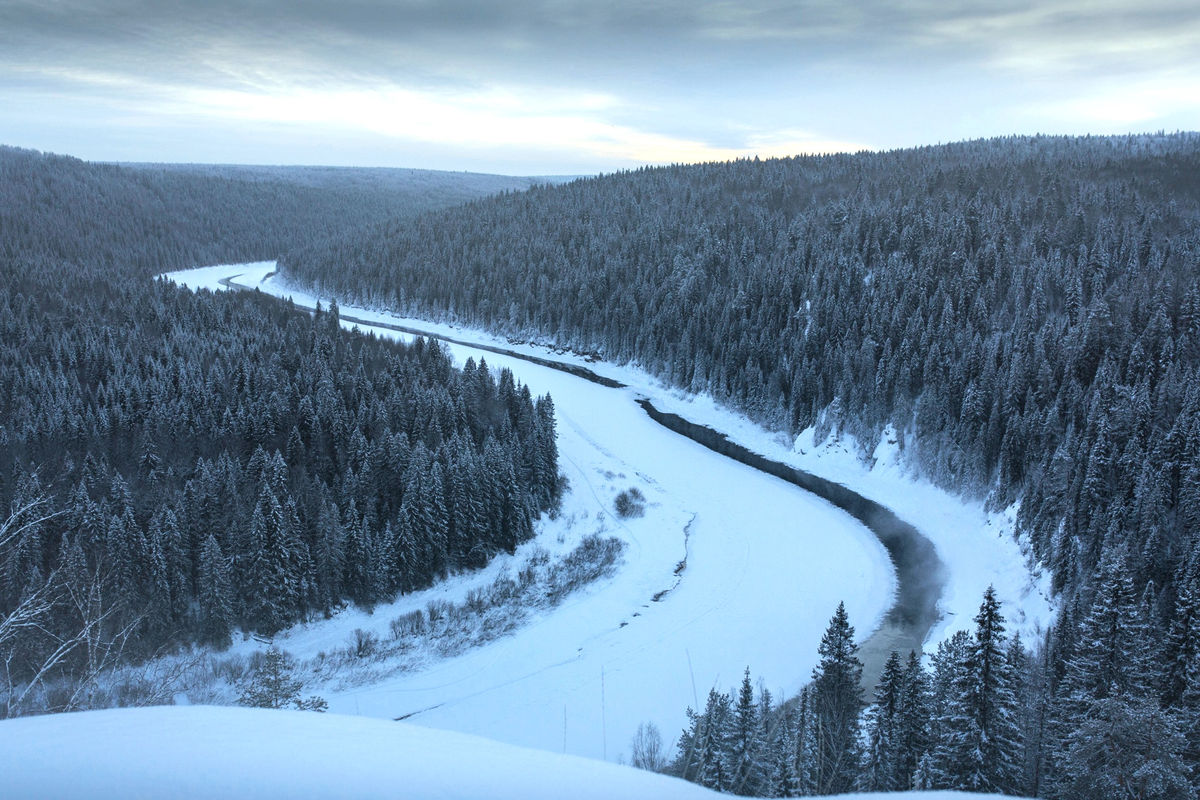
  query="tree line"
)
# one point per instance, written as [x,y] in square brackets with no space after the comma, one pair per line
[1099,723]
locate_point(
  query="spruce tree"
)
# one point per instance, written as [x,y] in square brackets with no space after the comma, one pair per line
[783,780]
[686,764]
[1183,642]
[1127,747]
[836,703]
[273,582]
[747,742]
[982,738]
[273,684]
[881,771]
[1108,658]
[949,666]
[913,724]
[804,756]
[714,750]
[216,612]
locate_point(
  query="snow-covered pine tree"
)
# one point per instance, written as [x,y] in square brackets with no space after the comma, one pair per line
[948,664]
[981,743]
[747,741]
[782,780]
[1108,658]
[1182,652]
[1126,747]
[884,730]
[686,763]
[273,684]
[214,586]
[913,723]
[836,703]
[804,755]
[273,581]
[715,751]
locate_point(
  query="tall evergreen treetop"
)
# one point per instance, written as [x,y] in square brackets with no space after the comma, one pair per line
[836,703]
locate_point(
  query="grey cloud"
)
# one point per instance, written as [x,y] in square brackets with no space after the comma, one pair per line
[428,40]
[706,71]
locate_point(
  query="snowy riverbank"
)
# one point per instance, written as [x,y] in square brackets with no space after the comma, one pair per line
[765,566]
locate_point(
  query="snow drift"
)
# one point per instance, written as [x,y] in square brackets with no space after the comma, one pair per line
[197,752]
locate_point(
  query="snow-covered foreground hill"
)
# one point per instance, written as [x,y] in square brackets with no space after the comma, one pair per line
[193,753]
[763,566]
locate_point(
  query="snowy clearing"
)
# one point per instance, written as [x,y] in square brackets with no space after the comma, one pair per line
[198,752]
[765,566]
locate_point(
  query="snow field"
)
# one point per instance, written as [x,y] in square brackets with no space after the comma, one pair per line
[197,753]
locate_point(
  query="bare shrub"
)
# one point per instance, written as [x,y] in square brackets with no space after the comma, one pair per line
[363,643]
[593,558]
[410,624]
[503,590]
[476,601]
[646,751]
[438,610]
[630,503]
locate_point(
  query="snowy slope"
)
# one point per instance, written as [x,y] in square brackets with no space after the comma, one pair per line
[766,564]
[193,753]
[198,752]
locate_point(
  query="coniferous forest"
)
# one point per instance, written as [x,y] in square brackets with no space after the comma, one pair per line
[175,466]
[985,715]
[1025,310]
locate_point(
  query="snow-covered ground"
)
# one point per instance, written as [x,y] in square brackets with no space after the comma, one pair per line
[765,566]
[194,753]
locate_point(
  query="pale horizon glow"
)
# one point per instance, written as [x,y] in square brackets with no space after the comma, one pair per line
[545,87]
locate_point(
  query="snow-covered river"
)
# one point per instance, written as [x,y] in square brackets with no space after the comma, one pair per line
[766,564]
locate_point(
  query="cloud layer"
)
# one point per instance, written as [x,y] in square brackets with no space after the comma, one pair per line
[563,86]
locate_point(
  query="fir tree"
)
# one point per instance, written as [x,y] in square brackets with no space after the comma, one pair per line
[216,612]
[981,748]
[913,723]
[714,750]
[836,702]
[881,770]
[747,742]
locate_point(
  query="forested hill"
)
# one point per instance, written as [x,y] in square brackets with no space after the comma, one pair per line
[155,217]
[414,190]
[176,466]
[1027,310]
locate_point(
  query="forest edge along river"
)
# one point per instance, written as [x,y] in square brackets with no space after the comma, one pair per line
[920,573]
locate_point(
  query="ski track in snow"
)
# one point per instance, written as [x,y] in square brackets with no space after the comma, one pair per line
[766,564]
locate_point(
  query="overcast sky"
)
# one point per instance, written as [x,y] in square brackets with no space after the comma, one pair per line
[566,87]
